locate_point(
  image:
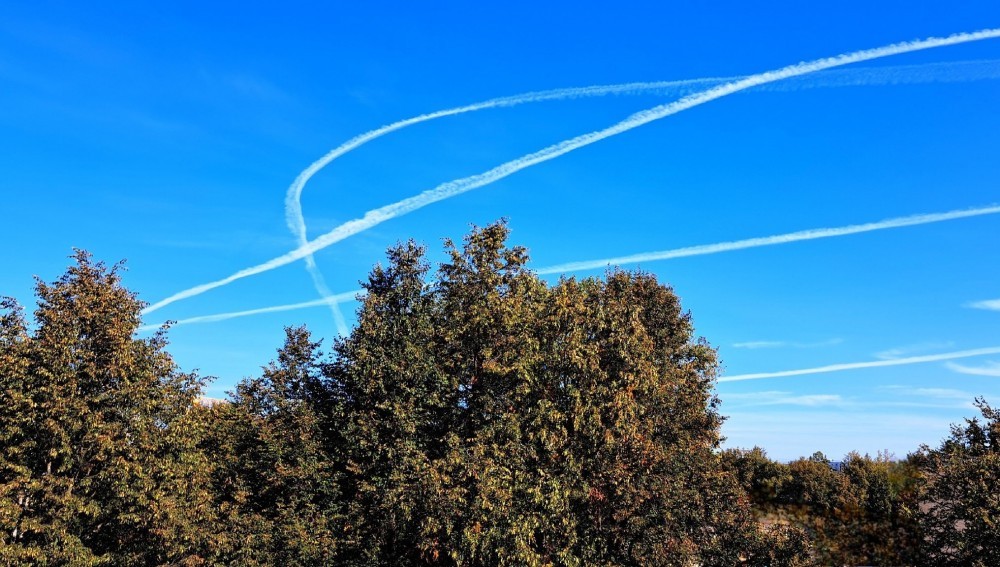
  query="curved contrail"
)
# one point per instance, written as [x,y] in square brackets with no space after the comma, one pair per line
[954,71]
[293,198]
[702,250]
[459,186]
[866,364]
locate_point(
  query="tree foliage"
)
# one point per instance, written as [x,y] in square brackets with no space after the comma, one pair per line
[98,462]
[475,416]
[491,419]
[961,517]
[273,482]
[862,514]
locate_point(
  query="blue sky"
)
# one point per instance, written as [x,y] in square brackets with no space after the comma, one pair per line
[169,135]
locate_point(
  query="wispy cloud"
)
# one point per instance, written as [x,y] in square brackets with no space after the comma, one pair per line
[988,368]
[908,350]
[775,397]
[255,87]
[990,304]
[935,393]
[787,344]
[459,186]
[866,364]
[927,398]
[760,344]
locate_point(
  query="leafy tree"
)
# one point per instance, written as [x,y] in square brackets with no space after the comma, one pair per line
[961,510]
[493,420]
[883,529]
[274,484]
[865,514]
[398,408]
[99,459]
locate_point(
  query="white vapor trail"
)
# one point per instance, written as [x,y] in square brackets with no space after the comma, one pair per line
[867,364]
[810,234]
[293,198]
[346,296]
[897,222]
[459,186]
[950,71]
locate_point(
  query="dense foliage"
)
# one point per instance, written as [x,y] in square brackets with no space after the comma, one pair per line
[961,519]
[474,416]
[863,514]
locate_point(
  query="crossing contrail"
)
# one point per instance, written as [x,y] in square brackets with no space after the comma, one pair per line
[866,364]
[810,234]
[459,186]
[293,198]
[927,72]
[701,250]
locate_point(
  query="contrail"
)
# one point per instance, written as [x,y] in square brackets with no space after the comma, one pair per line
[701,250]
[293,198]
[346,296]
[810,234]
[928,72]
[922,73]
[459,186]
[868,364]
[324,292]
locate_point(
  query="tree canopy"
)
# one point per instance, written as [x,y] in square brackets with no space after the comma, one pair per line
[476,415]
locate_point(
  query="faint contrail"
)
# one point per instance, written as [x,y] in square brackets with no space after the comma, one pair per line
[949,71]
[459,186]
[810,234]
[324,292]
[868,364]
[703,249]
[346,296]
[922,73]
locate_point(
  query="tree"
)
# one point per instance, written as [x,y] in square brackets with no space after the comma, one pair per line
[274,483]
[494,420]
[865,514]
[99,458]
[396,408]
[961,510]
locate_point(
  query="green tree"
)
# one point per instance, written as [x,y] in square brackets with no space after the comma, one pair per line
[883,528]
[274,484]
[494,420]
[397,412]
[515,465]
[961,510]
[99,459]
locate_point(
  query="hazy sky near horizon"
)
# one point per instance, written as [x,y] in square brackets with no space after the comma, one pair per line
[168,135]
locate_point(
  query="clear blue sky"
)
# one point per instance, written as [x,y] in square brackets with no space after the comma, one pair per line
[168,134]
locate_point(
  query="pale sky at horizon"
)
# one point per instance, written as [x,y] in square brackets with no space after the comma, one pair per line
[833,235]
